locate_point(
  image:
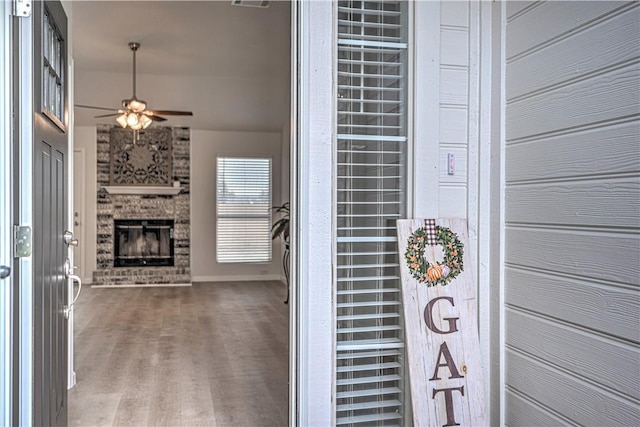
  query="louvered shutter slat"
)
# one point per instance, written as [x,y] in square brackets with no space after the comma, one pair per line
[376,344]
[369,392]
[368,379]
[366,317]
[366,419]
[370,367]
[367,290]
[375,12]
[369,329]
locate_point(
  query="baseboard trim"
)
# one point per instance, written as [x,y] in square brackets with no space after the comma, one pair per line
[253,278]
[135,285]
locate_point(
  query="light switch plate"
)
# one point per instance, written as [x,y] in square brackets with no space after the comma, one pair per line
[451,163]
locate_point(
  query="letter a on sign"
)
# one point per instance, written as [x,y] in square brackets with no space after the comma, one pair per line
[439,296]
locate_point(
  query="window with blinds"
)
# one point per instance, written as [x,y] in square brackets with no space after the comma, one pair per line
[243,210]
[371,181]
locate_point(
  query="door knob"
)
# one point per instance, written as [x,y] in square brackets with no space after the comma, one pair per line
[5,271]
[68,238]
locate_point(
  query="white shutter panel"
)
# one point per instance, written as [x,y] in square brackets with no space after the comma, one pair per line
[243,210]
[371,179]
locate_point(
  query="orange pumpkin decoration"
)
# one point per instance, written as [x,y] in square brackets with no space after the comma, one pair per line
[434,272]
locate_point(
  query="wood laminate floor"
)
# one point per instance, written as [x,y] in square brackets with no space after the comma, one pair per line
[214,354]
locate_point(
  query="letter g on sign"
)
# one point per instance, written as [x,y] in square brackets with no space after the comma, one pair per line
[428,317]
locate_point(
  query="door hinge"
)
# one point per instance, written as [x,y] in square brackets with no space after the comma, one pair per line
[22,241]
[22,8]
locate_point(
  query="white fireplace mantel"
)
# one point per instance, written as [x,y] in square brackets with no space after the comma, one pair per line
[142,189]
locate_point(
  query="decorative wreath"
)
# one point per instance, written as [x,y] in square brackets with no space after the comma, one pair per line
[436,274]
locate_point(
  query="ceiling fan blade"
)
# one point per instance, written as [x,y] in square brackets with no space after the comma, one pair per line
[168,113]
[107,115]
[96,108]
[157,118]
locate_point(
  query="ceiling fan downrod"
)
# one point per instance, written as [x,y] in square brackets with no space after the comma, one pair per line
[134,104]
[134,48]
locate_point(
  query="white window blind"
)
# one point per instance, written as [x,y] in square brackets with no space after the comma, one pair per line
[243,209]
[371,181]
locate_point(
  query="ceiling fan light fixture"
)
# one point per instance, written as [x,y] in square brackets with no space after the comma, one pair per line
[132,120]
[122,120]
[145,121]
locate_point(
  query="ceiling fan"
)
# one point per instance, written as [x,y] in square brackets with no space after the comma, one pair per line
[134,113]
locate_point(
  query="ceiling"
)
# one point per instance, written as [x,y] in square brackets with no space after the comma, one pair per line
[230,65]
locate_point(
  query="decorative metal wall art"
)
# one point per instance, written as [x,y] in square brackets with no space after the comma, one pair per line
[145,160]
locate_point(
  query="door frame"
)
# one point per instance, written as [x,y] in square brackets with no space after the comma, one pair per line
[6,219]
[71,374]
[23,88]
[492,146]
[78,168]
[312,341]
[293,206]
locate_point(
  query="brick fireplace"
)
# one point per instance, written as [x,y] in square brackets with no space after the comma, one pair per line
[131,194]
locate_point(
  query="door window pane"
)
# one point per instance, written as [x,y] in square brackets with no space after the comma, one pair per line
[53,85]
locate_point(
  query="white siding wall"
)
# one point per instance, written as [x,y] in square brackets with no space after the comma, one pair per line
[572,213]
[459,114]
[447,116]
[454,107]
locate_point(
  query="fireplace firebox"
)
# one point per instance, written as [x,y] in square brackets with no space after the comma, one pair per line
[143,242]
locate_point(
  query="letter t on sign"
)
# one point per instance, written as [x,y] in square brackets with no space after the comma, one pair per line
[448,400]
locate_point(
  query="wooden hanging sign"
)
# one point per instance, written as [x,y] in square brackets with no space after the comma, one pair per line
[439,295]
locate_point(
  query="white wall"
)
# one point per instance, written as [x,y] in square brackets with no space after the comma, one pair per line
[205,147]
[85,138]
